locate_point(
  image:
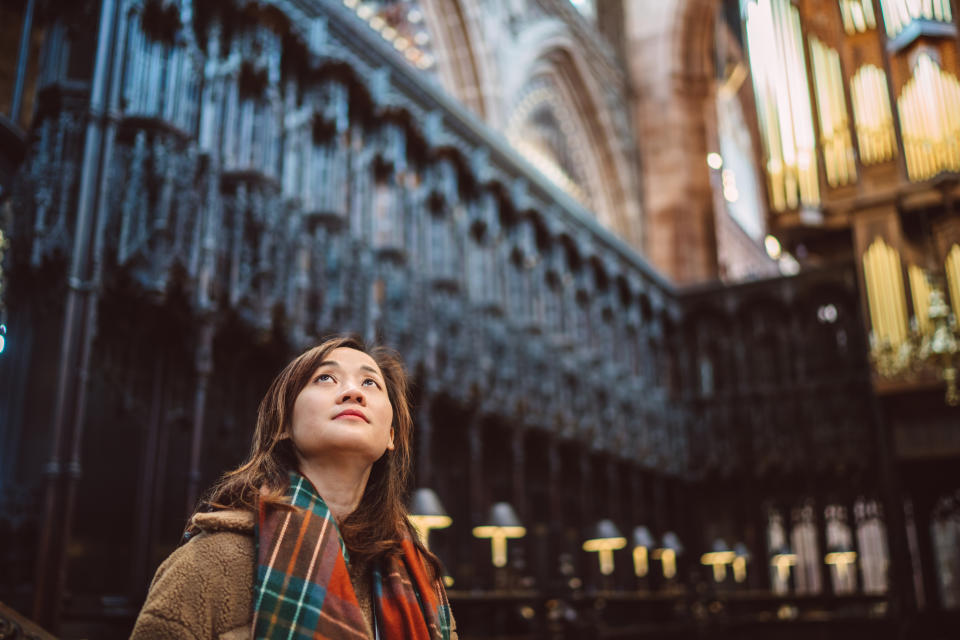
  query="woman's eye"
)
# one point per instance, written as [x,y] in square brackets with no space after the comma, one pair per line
[323,377]
[371,381]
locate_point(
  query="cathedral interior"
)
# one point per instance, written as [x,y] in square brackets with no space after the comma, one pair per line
[677,283]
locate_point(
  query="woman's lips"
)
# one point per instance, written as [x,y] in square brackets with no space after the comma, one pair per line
[351,413]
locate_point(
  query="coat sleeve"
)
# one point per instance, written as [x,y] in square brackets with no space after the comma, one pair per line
[202,591]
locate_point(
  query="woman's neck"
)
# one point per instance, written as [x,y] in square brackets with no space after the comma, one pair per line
[340,483]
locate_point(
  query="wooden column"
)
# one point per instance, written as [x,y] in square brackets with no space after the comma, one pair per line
[203,366]
[63,469]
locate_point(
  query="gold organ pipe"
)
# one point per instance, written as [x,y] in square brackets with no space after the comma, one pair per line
[784,108]
[870,279]
[872,114]
[834,127]
[953,278]
[858,15]
[929,107]
[920,291]
[885,292]
[899,300]
[898,14]
[882,327]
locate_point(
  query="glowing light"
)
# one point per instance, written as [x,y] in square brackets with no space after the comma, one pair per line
[605,547]
[641,563]
[772,245]
[719,561]
[3,337]
[827,314]
[843,561]
[782,563]
[714,160]
[739,569]
[668,559]
[423,525]
[498,540]
[730,191]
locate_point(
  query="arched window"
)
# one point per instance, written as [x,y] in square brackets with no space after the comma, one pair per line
[803,538]
[839,537]
[872,544]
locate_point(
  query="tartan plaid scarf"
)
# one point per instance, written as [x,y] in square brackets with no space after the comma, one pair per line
[303,589]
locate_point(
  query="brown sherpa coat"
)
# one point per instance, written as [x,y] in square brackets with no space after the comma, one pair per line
[204,590]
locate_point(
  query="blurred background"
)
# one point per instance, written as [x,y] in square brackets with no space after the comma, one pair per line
[676,280]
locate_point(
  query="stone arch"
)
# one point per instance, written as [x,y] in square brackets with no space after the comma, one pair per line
[464,64]
[551,61]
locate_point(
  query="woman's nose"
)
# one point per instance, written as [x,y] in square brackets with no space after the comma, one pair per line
[353,394]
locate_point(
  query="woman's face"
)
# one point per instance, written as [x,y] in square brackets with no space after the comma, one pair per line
[343,410]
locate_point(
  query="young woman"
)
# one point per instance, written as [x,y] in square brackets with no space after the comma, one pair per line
[309,538]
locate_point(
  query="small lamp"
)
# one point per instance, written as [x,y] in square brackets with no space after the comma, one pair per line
[426,513]
[740,560]
[782,560]
[842,556]
[642,544]
[604,539]
[503,525]
[719,558]
[667,553]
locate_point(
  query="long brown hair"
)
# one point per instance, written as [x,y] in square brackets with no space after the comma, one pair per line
[379,522]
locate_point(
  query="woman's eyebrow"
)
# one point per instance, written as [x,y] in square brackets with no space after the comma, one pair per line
[366,367]
[363,367]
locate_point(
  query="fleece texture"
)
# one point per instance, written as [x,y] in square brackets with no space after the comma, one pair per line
[203,591]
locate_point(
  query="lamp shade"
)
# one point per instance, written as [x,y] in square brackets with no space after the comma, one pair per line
[606,531]
[741,551]
[503,515]
[783,551]
[643,538]
[671,541]
[425,502]
[720,546]
[426,513]
[719,557]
